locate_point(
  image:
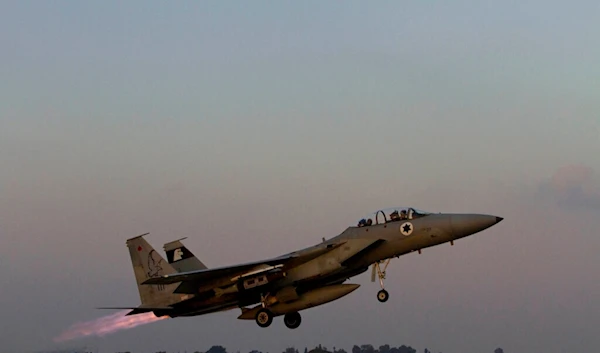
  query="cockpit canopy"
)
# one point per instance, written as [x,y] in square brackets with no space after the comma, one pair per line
[392,214]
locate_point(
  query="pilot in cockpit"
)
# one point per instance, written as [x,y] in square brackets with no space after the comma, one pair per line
[403,215]
[394,216]
[365,222]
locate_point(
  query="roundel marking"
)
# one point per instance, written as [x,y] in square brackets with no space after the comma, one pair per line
[406,228]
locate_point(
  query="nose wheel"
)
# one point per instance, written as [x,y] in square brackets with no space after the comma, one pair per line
[382,295]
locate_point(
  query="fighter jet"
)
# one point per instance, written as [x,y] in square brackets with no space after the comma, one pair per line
[296,281]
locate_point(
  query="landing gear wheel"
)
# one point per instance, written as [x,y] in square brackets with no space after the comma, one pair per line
[264,317]
[292,320]
[383,295]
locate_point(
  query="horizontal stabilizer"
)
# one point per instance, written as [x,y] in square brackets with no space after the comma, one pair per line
[139,309]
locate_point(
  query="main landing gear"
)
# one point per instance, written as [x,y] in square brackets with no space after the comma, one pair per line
[292,320]
[382,295]
[264,317]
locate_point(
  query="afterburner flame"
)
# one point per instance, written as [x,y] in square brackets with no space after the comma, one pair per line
[107,325]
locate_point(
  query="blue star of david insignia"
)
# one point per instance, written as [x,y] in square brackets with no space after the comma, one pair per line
[406,228]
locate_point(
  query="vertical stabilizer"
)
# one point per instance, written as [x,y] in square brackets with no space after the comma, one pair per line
[148,263]
[181,258]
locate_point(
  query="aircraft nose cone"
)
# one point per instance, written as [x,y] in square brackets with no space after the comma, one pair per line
[467,224]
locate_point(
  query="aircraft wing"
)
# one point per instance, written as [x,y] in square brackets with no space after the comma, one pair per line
[236,271]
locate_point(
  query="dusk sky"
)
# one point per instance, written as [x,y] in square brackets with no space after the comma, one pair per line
[256,128]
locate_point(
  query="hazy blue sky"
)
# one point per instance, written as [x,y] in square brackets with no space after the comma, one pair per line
[255,128]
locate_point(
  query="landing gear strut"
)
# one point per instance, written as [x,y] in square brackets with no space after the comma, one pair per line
[292,320]
[382,295]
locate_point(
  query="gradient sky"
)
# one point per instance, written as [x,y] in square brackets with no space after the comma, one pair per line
[255,128]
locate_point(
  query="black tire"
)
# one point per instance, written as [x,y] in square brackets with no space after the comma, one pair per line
[292,320]
[383,296]
[264,317]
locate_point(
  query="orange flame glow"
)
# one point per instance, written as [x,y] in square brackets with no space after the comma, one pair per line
[106,325]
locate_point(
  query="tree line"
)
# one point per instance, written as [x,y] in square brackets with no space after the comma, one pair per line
[364,348]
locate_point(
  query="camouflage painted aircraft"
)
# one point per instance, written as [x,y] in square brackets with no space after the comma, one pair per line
[290,283]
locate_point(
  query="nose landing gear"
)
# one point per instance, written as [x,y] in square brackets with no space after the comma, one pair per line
[382,295]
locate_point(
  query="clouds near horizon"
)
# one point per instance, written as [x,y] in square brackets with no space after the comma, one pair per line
[574,188]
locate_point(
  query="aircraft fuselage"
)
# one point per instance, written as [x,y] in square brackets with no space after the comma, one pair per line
[396,239]
[354,250]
